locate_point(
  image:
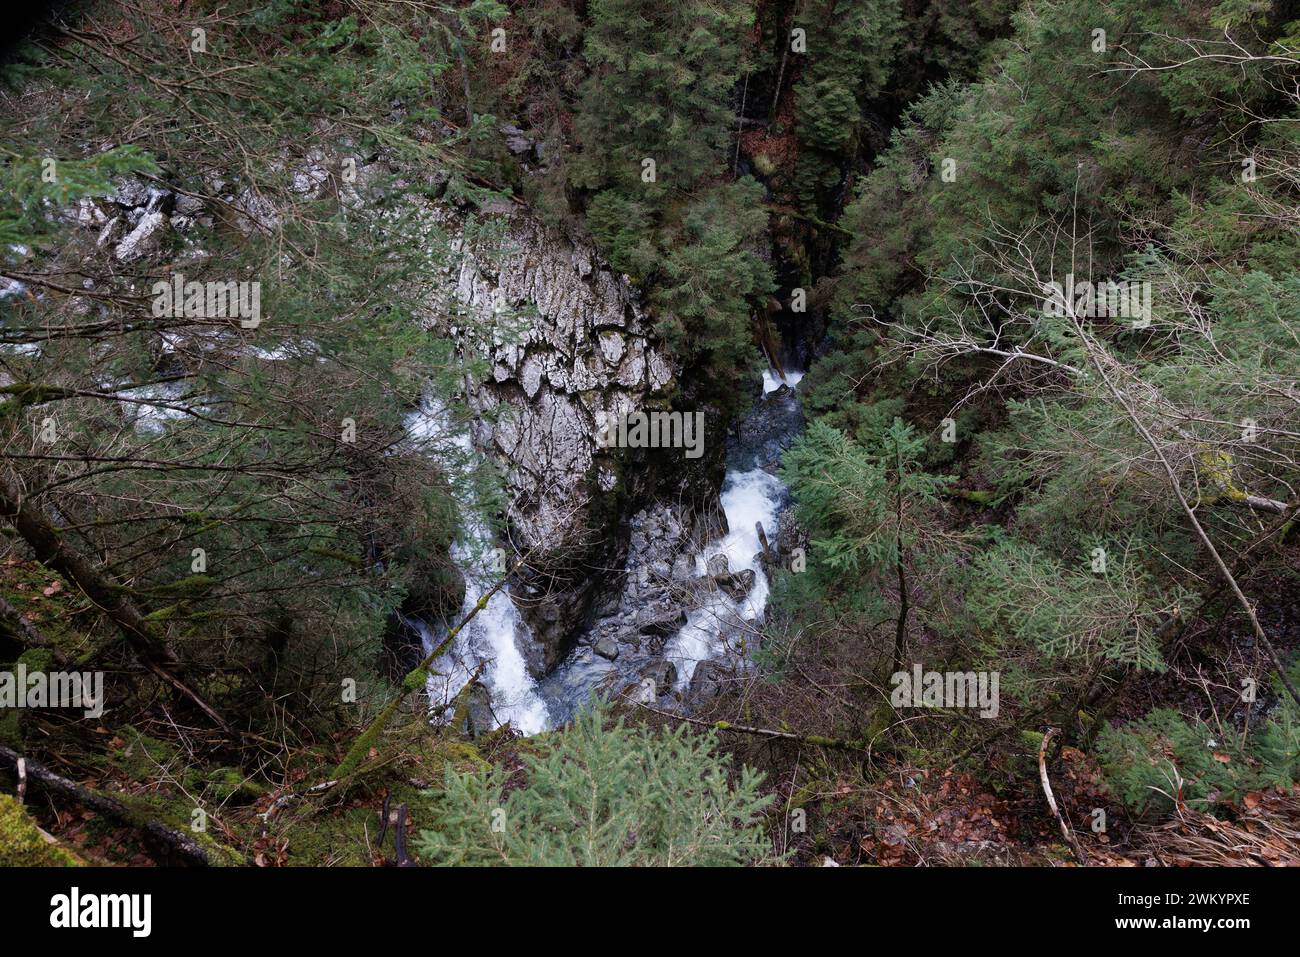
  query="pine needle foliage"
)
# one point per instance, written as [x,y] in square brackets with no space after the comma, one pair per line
[604,793]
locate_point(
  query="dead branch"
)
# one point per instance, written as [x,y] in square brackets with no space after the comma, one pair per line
[1051,799]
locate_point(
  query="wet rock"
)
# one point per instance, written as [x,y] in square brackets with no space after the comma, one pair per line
[736,584]
[708,680]
[654,680]
[660,671]
[639,610]
[606,647]
[762,438]
[661,619]
[551,622]
[480,718]
[609,603]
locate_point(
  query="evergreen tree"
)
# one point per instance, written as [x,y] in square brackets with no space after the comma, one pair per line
[870,509]
[604,794]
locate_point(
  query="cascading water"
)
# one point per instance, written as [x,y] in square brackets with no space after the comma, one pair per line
[773,381]
[492,637]
[748,499]
[751,496]
[719,625]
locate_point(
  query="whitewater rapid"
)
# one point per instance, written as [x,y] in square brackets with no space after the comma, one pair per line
[724,627]
[773,381]
[751,496]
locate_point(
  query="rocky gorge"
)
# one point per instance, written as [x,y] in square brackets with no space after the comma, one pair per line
[642,569]
[633,555]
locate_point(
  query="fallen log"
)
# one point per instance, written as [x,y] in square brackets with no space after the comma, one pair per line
[177,844]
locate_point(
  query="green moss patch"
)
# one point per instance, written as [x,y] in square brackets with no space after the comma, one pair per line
[21,842]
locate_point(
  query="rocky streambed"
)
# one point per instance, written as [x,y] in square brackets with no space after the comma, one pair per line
[674,624]
[684,614]
[646,574]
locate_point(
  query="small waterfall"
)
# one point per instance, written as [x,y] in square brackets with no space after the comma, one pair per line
[721,626]
[495,633]
[748,498]
[772,381]
[751,496]
[717,624]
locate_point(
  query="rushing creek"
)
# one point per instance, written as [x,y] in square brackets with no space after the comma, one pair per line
[751,495]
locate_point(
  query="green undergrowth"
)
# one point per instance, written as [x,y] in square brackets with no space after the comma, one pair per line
[341,828]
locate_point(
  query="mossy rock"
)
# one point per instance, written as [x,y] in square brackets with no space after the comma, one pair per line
[36,659]
[23,845]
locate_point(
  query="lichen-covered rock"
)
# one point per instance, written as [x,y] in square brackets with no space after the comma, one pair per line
[583,351]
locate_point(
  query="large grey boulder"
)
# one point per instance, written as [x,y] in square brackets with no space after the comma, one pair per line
[661,619]
[566,345]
